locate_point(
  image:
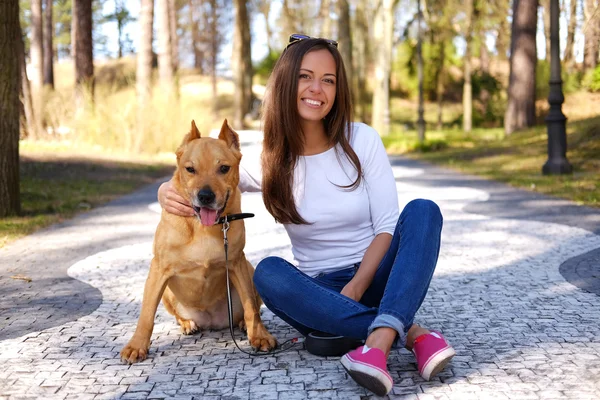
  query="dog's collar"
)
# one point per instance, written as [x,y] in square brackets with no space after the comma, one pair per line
[233,217]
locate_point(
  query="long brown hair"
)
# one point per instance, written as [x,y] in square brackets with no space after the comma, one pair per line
[283,138]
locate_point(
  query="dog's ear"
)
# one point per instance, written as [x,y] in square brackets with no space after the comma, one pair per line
[193,134]
[229,136]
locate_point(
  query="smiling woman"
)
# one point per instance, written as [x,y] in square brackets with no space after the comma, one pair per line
[329,182]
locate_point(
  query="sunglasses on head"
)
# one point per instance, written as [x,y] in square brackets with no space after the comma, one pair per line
[298,37]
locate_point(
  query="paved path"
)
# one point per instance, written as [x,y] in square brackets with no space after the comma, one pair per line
[520,329]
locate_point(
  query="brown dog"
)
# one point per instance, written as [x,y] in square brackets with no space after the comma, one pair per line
[188,268]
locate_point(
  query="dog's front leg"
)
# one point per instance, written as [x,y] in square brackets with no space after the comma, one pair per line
[137,348]
[258,335]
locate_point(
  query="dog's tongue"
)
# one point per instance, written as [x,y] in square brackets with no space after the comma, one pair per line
[208,216]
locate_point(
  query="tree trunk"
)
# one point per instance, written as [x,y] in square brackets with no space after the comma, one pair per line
[48,49]
[484,57]
[266,11]
[420,75]
[28,121]
[360,60]
[37,46]
[569,47]
[344,37]
[440,84]
[520,111]
[325,17]
[214,52]
[73,29]
[467,86]
[165,53]
[242,64]
[546,11]
[591,34]
[503,35]
[9,108]
[144,60]
[193,21]
[173,18]
[384,26]
[84,54]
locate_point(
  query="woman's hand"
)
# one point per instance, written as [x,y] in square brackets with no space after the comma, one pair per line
[172,202]
[351,291]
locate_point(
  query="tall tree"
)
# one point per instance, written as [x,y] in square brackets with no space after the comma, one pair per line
[360,58]
[591,11]
[242,64]
[502,11]
[467,86]
[325,18]
[144,60]
[383,39]
[166,72]
[264,7]
[569,56]
[173,22]
[84,53]
[37,45]
[29,125]
[215,44]
[193,9]
[9,108]
[344,37]
[48,47]
[546,13]
[520,111]
[122,17]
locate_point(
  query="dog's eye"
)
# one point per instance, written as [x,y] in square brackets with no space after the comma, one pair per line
[224,169]
[191,170]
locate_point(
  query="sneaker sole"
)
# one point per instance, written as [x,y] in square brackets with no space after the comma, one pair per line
[367,376]
[437,363]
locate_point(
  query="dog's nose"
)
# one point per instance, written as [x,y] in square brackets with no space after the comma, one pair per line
[206,197]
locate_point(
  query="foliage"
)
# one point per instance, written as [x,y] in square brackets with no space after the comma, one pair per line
[572,80]
[518,159]
[263,68]
[404,70]
[591,80]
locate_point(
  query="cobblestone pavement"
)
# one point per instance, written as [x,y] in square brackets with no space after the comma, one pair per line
[521,331]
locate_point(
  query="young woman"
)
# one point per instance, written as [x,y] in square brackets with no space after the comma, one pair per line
[361,271]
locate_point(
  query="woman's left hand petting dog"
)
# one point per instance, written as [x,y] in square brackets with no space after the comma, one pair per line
[188,268]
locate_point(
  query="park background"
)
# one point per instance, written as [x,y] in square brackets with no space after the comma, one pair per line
[109,88]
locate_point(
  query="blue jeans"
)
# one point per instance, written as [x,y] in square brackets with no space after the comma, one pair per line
[392,300]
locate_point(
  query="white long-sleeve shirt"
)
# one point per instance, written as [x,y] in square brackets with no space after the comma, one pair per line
[343,222]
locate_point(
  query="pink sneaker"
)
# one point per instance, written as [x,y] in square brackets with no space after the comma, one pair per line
[432,353]
[368,368]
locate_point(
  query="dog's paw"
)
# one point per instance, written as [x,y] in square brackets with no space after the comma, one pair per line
[263,341]
[133,352]
[243,326]
[188,326]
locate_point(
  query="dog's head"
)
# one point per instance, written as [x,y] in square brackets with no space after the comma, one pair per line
[208,171]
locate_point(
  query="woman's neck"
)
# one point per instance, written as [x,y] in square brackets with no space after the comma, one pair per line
[315,139]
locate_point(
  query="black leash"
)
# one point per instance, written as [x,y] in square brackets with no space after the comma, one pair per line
[225,221]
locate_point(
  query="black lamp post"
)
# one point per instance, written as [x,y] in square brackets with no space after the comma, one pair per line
[556,121]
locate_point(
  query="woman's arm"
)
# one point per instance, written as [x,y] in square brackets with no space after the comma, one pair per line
[370,262]
[172,202]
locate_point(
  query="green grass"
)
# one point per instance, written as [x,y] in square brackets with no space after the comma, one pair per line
[517,159]
[56,186]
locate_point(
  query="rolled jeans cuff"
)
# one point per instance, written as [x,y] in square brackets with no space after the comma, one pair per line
[389,321]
